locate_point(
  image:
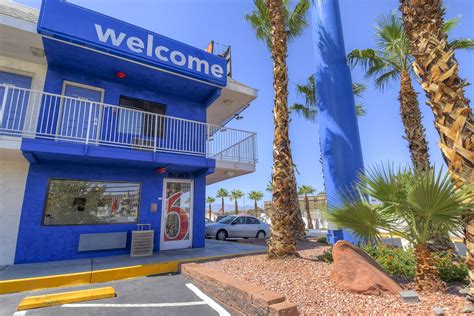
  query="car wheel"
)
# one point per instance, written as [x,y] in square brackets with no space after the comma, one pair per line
[221,235]
[261,234]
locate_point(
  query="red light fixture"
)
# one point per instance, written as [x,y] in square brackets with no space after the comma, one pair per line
[161,169]
[120,74]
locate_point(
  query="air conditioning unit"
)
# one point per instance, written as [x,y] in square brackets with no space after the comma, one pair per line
[142,241]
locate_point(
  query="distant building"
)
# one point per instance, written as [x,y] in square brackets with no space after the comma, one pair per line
[317,203]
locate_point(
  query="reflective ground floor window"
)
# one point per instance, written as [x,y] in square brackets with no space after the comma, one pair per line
[79,202]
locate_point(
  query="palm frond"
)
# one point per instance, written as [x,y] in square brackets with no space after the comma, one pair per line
[358,89]
[360,110]
[450,24]
[435,199]
[391,37]
[304,111]
[259,19]
[358,215]
[462,43]
[382,80]
[296,20]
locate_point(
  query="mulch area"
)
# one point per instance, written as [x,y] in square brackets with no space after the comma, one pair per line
[307,283]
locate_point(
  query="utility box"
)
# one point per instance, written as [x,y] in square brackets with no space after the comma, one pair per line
[142,241]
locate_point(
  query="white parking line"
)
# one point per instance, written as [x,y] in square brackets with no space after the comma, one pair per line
[21,313]
[221,311]
[138,305]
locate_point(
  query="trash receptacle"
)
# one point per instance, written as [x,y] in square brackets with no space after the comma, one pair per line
[142,241]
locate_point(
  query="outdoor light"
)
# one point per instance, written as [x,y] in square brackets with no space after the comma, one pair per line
[161,169]
[120,74]
[237,116]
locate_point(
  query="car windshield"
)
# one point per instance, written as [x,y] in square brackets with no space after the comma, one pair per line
[227,219]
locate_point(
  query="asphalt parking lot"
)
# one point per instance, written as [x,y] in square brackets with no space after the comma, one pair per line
[157,295]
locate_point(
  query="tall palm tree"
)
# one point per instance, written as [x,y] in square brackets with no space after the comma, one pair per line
[412,204]
[236,195]
[222,193]
[305,190]
[255,196]
[210,200]
[392,61]
[437,68]
[275,23]
[309,109]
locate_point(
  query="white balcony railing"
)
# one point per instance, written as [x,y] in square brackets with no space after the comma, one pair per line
[26,113]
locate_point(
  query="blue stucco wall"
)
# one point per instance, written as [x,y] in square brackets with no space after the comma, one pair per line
[38,243]
[177,106]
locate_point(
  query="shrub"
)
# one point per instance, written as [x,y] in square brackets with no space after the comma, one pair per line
[322,240]
[401,262]
[396,261]
[451,267]
[326,256]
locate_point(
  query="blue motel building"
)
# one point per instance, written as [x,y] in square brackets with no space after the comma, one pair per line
[105,126]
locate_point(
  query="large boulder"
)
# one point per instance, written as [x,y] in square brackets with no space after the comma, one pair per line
[355,271]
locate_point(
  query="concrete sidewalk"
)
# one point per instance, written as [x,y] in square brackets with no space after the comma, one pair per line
[32,276]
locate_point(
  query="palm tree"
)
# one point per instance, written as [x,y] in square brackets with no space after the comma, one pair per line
[236,195]
[309,109]
[210,200]
[305,190]
[222,193]
[392,61]
[437,68]
[412,204]
[255,196]
[275,23]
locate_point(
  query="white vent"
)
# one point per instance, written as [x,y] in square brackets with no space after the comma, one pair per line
[142,243]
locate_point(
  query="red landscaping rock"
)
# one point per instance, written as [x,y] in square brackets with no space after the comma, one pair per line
[356,271]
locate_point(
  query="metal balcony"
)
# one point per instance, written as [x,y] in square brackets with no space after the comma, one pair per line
[27,113]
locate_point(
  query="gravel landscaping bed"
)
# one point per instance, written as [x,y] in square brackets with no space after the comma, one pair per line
[307,283]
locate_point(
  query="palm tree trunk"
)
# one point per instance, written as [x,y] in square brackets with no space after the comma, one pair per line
[298,224]
[426,278]
[236,207]
[308,213]
[438,69]
[210,211]
[222,210]
[411,118]
[282,240]
[255,207]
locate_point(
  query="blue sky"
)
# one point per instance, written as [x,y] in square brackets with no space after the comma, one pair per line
[196,22]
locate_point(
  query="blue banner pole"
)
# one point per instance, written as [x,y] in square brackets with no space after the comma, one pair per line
[339,132]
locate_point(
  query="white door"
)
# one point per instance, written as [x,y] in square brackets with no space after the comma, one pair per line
[177,214]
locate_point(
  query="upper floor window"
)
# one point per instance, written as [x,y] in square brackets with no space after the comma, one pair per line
[143,121]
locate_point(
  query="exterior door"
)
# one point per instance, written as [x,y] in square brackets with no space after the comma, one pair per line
[13,102]
[80,114]
[177,214]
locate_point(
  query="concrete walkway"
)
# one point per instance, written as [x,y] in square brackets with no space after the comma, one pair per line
[213,248]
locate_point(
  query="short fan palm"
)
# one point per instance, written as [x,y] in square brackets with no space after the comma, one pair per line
[412,205]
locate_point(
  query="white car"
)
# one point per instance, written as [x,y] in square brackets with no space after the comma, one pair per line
[234,226]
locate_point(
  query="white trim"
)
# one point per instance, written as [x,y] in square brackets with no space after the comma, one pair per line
[177,244]
[219,309]
[133,61]
[83,86]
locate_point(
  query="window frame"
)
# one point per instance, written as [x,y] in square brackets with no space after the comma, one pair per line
[256,221]
[45,204]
